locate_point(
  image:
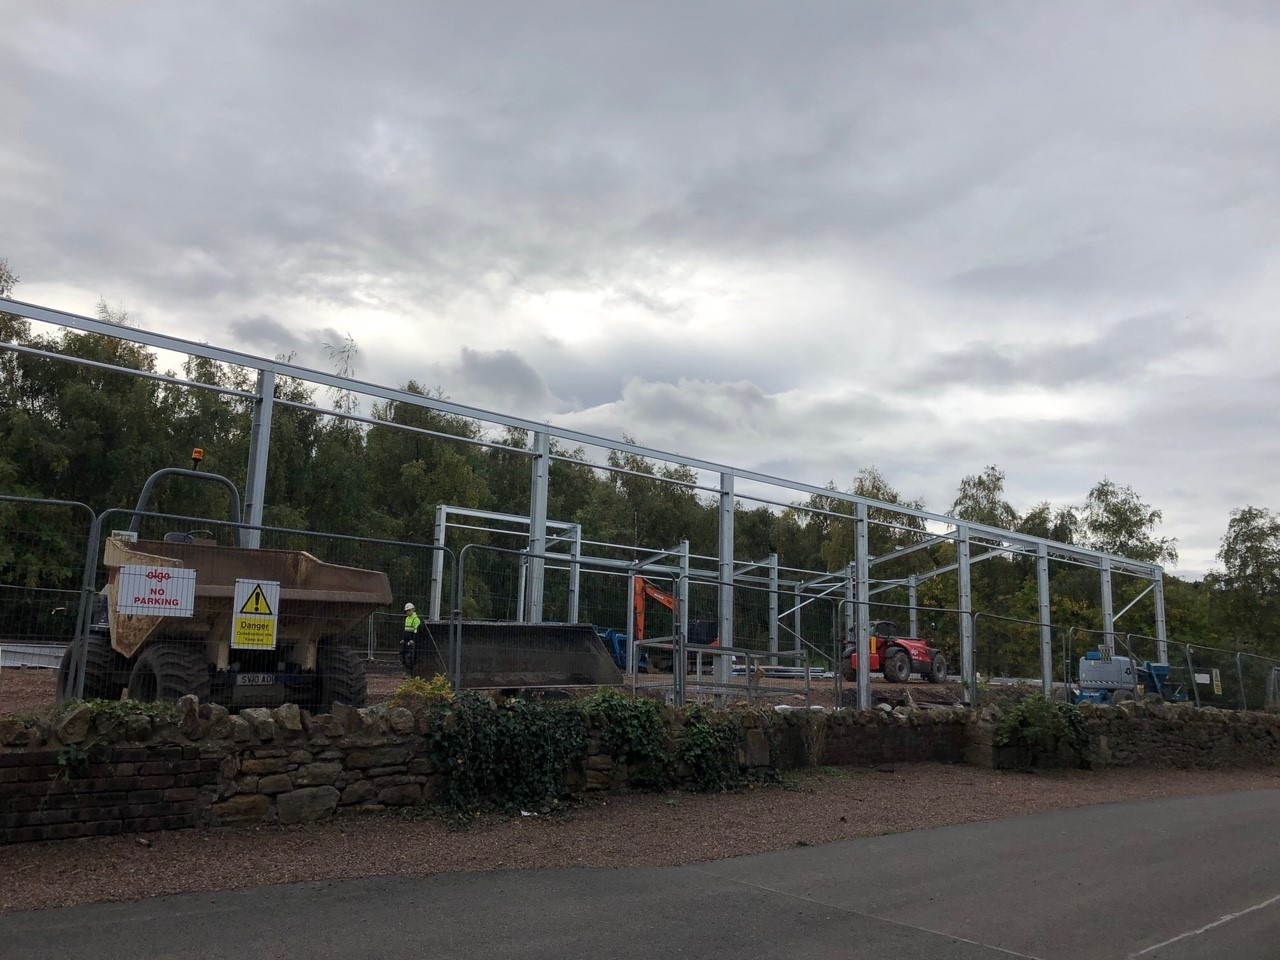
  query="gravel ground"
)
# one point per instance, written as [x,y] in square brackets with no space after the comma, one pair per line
[637,830]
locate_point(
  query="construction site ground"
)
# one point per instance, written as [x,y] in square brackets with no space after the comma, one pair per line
[26,690]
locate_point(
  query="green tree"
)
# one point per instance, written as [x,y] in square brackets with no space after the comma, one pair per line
[981,500]
[1116,520]
[1248,591]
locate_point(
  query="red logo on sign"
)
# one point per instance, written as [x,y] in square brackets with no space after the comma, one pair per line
[160,575]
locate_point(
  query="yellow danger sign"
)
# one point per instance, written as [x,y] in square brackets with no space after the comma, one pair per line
[257,602]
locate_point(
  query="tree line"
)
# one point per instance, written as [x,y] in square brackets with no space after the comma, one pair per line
[80,433]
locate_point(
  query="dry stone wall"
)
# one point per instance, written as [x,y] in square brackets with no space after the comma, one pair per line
[94,772]
[1139,734]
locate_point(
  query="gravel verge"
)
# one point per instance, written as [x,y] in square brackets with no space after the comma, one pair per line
[617,831]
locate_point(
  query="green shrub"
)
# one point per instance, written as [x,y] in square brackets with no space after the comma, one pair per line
[632,732]
[417,692]
[516,755]
[710,749]
[1049,730]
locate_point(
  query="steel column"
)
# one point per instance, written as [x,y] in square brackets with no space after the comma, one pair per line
[538,526]
[772,564]
[437,563]
[679,658]
[1108,621]
[913,600]
[862,601]
[259,452]
[795,617]
[1046,630]
[968,663]
[723,667]
[575,571]
[1162,638]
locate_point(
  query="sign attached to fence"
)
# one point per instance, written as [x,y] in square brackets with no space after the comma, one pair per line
[1217,682]
[256,605]
[156,591]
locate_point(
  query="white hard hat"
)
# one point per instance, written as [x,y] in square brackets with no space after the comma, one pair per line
[408,606]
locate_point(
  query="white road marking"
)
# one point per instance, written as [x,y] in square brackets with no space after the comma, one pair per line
[1208,926]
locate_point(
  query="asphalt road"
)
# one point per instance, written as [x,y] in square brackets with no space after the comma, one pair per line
[1184,879]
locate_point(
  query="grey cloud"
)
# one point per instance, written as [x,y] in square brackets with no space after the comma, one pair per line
[1010,175]
[1126,349]
[264,334]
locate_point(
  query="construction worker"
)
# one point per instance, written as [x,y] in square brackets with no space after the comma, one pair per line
[408,644]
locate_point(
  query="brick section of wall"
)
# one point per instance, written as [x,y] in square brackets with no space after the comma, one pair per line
[125,790]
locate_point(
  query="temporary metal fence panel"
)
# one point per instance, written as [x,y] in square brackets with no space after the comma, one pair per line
[1007,647]
[42,550]
[1258,681]
[1215,675]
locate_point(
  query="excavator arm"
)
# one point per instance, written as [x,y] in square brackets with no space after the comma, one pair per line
[644,589]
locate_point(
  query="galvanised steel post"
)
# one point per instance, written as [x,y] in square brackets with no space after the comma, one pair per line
[538,526]
[723,667]
[912,605]
[575,570]
[1191,672]
[772,564]
[968,663]
[795,620]
[1244,700]
[843,630]
[1046,630]
[437,563]
[862,600]
[1108,619]
[1162,638]
[259,451]
[679,658]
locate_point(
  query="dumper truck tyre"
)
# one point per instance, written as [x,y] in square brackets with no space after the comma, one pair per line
[104,669]
[168,670]
[341,677]
[937,669]
[897,666]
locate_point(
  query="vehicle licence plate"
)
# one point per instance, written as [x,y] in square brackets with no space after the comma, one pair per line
[255,679]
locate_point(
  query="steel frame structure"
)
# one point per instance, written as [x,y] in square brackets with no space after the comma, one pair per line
[727,480]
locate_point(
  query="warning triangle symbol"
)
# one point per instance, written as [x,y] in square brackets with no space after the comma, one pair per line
[257,602]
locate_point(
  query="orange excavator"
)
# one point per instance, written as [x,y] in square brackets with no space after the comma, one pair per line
[700,631]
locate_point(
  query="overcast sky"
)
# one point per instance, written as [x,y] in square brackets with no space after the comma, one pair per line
[798,237]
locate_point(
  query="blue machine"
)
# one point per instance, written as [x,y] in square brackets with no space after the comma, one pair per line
[616,642]
[1113,679]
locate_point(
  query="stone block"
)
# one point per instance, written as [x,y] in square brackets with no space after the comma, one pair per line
[362,791]
[402,795]
[243,808]
[73,726]
[388,756]
[400,720]
[275,783]
[306,805]
[288,718]
[259,765]
[317,774]
[260,721]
